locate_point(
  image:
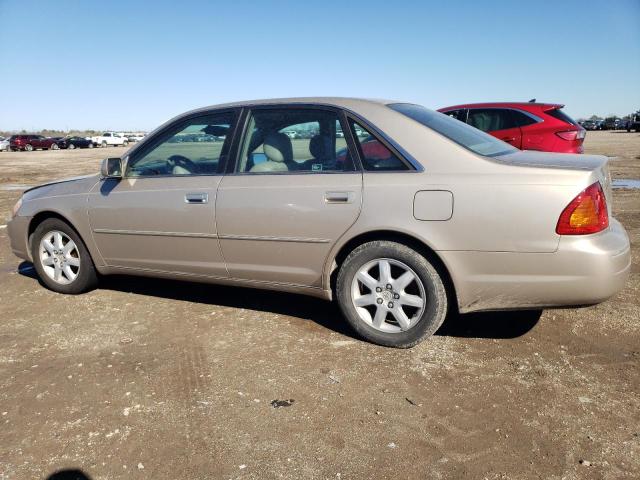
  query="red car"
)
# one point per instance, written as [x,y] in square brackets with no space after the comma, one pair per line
[527,126]
[32,142]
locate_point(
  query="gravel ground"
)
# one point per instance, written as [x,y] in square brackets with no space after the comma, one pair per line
[158,379]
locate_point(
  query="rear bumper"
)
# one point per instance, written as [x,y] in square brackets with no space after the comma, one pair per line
[585,270]
[18,229]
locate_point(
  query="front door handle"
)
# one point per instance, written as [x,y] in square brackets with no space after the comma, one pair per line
[198,198]
[338,197]
[509,139]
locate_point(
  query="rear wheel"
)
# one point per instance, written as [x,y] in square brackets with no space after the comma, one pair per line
[125,143]
[390,294]
[71,146]
[90,144]
[28,147]
[61,258]
[54,146]
[104,144]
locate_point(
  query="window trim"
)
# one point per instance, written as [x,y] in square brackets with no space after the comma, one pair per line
[243,125]
[149,143]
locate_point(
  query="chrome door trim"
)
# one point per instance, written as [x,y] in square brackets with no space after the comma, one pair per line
[210,235]
[274,239]
[154,233]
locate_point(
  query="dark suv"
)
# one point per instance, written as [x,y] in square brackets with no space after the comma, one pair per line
[32,142]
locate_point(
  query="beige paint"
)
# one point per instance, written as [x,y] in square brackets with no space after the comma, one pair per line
[278,231]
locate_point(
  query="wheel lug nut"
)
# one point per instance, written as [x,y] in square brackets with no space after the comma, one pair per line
[378,289]
[379,301]
[390,304]
[388,286]
[396,296]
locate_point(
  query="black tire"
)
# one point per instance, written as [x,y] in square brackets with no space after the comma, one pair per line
[436,296]
[87,278]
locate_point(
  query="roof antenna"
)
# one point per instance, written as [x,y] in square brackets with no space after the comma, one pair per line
[533,100]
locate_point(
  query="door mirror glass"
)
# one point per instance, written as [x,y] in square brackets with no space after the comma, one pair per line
[111,168]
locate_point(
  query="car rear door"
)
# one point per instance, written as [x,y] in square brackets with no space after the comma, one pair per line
[161,215]
[497,122]
[287,201]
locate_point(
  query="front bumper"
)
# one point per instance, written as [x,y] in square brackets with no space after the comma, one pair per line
[18,230]
[585,270]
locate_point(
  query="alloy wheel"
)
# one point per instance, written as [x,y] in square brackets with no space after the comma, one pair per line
[388,295]
[59,257]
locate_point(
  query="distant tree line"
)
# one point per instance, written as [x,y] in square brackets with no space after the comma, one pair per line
[611,117]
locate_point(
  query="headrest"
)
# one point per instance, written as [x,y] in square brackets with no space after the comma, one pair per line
[277,147]
[320,146]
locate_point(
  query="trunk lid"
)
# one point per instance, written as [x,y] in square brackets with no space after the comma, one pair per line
[598,165]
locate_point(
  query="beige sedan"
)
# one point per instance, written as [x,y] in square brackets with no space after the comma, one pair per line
[398,212]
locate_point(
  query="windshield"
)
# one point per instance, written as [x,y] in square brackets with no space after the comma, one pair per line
[461,133]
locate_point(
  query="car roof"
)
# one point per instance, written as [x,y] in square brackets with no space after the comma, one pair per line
[340,102]
[522,105]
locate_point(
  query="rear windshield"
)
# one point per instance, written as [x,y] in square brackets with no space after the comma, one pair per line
[560,115]
[461,133]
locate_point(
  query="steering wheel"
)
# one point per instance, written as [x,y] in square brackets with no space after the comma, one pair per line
[183,162]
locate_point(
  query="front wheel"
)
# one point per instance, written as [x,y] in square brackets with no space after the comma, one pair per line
[28,147]
[54,146]
[71,146]
[390,294]
[90,144]
[61,258]
[104,144]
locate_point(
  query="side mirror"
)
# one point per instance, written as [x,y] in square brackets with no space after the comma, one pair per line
[111,168]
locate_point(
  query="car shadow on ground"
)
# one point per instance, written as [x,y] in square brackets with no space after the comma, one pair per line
[499,325]
[69,474]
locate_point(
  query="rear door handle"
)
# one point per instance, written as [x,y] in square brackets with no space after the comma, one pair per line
[199,198]
[338,197]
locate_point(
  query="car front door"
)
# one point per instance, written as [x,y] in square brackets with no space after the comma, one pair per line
[497,122]
[287,200]
[37,142]
[161,215]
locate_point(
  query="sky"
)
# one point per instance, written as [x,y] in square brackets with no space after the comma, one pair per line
[131,65]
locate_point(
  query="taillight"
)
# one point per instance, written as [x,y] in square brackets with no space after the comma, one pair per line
[572,135]
[587,213]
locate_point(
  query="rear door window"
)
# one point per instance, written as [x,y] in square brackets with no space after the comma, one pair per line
[290,140]
[522,119]
[460,114]
[491,119]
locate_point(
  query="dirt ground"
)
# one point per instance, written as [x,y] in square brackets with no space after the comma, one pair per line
[158,379]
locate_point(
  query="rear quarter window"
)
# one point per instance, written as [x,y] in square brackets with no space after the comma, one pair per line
[560,115]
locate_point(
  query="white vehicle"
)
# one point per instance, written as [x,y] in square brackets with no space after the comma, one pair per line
[4,145]
[135,137]
[109,138]
[291,134]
